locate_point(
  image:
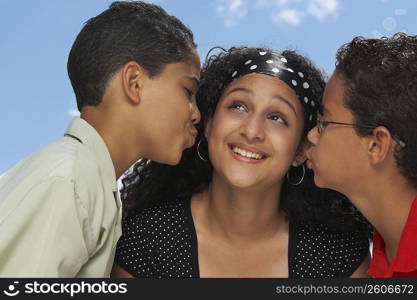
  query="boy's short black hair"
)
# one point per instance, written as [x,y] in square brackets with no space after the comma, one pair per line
[126,31]
[380,79]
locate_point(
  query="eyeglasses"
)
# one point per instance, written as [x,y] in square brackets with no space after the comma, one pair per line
[322,124]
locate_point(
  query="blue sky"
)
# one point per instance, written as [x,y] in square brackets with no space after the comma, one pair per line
[36,36]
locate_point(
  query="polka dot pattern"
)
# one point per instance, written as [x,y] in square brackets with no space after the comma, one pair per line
[322,253]
[160,242]
[157,243]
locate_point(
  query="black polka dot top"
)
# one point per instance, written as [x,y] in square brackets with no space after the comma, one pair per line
[161,242]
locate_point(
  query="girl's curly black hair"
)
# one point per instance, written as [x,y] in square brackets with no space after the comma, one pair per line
[151,182]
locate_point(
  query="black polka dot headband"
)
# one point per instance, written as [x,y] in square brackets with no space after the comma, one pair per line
[276,65]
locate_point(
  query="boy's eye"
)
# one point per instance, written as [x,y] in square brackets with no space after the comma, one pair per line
[188,92]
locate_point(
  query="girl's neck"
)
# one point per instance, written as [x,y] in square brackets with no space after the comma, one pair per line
[238,214]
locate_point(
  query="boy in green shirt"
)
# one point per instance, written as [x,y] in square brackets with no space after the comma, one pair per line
[135,71]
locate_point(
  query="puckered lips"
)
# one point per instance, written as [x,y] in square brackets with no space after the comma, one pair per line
[193,136]
[309,161]
[248,154]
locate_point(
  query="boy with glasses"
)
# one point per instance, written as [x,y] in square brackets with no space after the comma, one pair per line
[365,144]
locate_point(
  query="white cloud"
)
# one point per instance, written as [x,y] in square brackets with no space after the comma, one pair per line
[292,12]
[320,9]
[232,11]
[73,113]
[268,3]
[290,16]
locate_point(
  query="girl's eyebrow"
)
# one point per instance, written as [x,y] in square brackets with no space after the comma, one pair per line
[279,97]
[240,89]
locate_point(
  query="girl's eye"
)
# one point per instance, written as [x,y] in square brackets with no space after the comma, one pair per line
[278,119]
[237,106]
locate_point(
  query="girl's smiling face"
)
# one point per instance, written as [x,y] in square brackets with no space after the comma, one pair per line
[255,132]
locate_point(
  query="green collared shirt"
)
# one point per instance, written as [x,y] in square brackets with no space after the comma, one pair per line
[60,211]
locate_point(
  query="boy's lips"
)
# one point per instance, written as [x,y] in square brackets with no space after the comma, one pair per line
[193,136]
[309,161]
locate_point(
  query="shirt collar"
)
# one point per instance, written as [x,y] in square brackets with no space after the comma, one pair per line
[88,136]
[405,259]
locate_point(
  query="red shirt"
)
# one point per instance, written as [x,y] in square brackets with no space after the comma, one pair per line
[404,263]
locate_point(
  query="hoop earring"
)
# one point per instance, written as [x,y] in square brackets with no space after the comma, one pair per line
[198,151]
[298,182]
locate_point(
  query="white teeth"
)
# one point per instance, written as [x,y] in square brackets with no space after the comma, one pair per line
[247,153]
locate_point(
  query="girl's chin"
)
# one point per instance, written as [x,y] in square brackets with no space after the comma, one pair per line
[243,182]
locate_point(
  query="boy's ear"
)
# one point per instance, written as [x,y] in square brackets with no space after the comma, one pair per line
[380,145]
[133,77]
[301,157]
